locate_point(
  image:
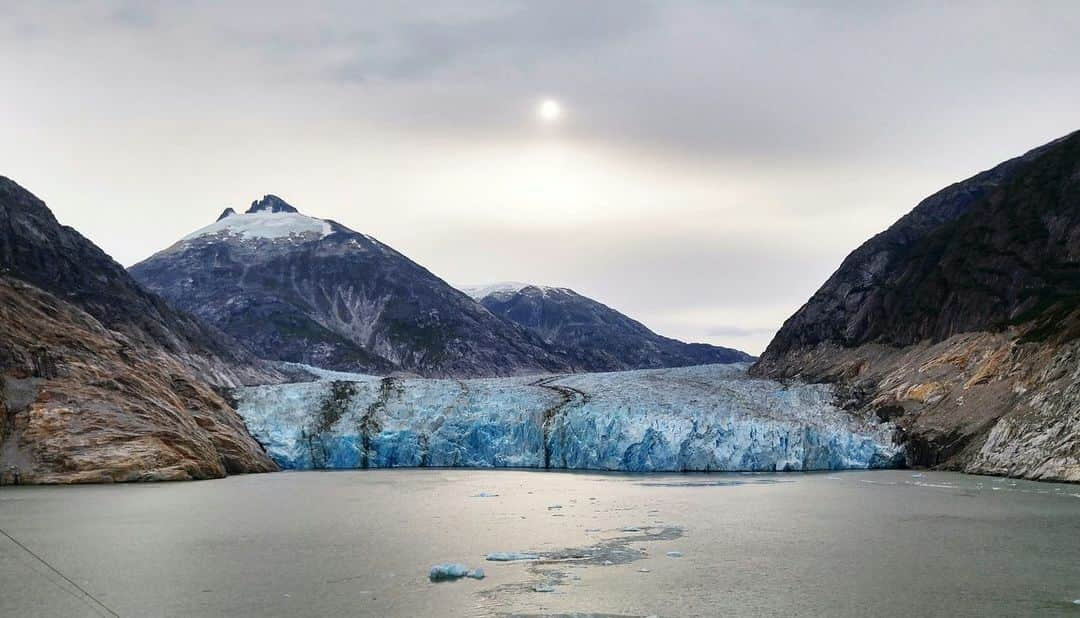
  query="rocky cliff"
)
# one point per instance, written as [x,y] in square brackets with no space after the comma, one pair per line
[99,379]
[302,289]
[592,335]
[960,322]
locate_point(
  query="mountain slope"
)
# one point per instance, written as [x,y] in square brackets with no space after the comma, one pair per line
[594,336]
[100,380]
[961,322]
[301,289]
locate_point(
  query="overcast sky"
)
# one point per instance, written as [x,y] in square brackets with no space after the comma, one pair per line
[713,165]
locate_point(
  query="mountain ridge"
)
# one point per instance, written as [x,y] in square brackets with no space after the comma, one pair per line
[961,322]
[301,289]
[593,335]
[101,381]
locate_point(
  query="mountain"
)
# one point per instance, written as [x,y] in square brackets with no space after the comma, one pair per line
[592,335]
[101,380]
[961,321]
[297,288]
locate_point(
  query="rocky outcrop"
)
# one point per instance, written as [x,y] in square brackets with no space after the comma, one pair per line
[592,335]
[101,380]
[960,323]
[301,289]
[83,403]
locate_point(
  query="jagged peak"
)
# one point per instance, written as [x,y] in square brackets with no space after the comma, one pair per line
[228,212]
[271,203]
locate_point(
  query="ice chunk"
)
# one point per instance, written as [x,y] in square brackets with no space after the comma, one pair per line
[631,529]
[544,588]
[674,554]
[477,573]
[511,556]
[484,494]
[447,571]
[643,570]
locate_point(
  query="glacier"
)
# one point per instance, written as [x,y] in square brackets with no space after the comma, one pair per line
[703,418]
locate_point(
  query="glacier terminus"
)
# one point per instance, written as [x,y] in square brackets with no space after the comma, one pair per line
[701,418]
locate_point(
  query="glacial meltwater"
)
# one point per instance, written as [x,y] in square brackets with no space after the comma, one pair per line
[363,543]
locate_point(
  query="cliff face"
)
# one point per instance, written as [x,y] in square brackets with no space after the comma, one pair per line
[99,379]
[302,289]
[960,322]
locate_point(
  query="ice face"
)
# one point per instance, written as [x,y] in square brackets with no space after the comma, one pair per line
[711,417]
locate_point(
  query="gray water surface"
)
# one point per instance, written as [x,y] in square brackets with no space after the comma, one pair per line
[360,543]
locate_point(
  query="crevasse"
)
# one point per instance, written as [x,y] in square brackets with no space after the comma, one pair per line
[710,417]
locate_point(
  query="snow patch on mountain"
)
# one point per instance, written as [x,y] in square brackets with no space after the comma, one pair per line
[505,289]
[270,225]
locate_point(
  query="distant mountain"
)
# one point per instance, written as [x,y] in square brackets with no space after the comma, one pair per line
[961,322]
[101,380]
[592,335]
[297,288]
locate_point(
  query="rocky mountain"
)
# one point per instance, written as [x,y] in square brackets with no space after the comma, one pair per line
[297,288]
[961,322]
[592,335]
[99,379]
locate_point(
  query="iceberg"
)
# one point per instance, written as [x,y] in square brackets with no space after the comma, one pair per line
[704,418]
[451,571]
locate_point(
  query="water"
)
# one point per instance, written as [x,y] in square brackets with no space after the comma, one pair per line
[360,543]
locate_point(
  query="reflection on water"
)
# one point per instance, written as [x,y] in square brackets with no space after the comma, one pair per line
[361,543]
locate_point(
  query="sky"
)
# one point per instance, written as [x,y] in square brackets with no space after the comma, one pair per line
[713,163]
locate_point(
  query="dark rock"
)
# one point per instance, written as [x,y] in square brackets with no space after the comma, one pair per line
[592,335]
[961,322]
[327,296]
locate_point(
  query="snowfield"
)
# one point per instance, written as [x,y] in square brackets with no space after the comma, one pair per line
[268,225]
[709,417]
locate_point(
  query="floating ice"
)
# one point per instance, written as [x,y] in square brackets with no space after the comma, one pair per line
[631,529]
[511,556]
[448,571]
[706,418]
[476,574]
[543,588]
[674,554]
[484,494]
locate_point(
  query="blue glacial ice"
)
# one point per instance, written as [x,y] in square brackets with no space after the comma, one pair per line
[709,417]
[450,571]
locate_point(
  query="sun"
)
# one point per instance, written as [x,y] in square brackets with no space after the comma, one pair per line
[549,110]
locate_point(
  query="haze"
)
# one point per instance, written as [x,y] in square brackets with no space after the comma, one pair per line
[712,163]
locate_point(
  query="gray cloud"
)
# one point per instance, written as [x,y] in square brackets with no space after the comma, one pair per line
[716,160]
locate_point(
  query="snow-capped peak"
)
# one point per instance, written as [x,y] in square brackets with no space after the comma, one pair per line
[271,203]
[271,217]
[505,288]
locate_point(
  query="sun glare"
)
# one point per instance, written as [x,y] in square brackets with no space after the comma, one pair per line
[549,110]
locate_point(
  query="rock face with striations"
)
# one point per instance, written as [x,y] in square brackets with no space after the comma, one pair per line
[301,289]
[592,335]
[961,322]
[99,379]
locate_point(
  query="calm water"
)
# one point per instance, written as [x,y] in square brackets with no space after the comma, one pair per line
[886,543]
